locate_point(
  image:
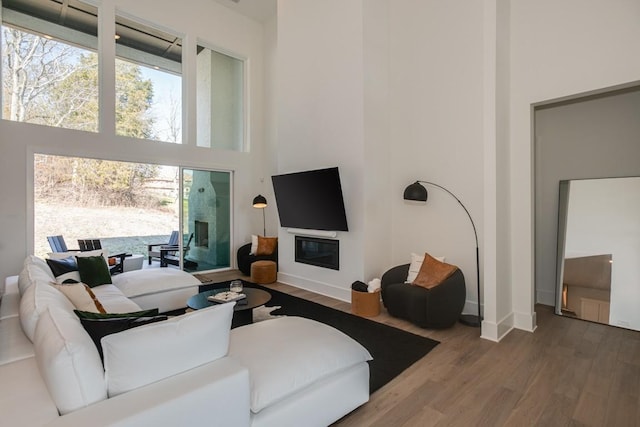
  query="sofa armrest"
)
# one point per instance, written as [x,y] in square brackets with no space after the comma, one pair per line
[218,391]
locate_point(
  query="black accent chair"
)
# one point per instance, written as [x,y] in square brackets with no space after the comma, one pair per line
[245,259]
[436,308]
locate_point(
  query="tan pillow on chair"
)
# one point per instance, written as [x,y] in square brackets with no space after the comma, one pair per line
[266,245]
[433,272]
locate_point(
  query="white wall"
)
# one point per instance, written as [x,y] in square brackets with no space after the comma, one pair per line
[320,123]
[603,218]
[557,49]
[203,19]
[436,130]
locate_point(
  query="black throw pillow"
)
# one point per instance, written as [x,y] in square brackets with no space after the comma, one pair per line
[98,328]
[61,266]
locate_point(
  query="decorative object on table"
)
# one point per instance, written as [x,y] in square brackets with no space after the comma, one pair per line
[229,296]
[259,202]
[236,286]
[417,192]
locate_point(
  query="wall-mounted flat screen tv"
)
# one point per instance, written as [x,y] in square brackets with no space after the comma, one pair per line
[311,200]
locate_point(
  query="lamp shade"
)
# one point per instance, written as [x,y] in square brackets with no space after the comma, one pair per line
[259,202]
[416,191]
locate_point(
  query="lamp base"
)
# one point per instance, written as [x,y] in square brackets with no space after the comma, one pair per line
[470,320]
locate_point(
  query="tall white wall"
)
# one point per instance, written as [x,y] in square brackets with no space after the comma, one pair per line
[558,49]
[203,19]
[436,130]
[321,123]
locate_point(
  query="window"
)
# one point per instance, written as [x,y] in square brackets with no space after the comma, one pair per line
[148,82]
[220,105]
[125,205]
[50,70]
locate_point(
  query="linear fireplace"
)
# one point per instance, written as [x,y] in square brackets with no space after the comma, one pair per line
[319,252]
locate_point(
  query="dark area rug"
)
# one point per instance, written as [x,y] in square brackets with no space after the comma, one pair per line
[393,350]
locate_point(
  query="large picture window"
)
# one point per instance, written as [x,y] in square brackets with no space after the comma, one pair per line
[49,64]
[148,82]
[220,103]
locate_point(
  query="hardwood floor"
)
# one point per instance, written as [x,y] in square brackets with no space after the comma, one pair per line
[567,373]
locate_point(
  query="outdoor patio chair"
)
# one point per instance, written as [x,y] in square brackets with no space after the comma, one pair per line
[169,255]
[156,253]
[58,244]
[94,244]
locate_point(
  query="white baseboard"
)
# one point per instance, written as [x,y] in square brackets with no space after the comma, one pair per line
[525,321]
[321,288]
[546,297]
[495,331]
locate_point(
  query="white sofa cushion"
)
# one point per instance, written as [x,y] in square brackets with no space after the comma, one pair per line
[35,300]
[113,300]
[68,361]
[34,269]
[146,354]
[280,362]
[152,281]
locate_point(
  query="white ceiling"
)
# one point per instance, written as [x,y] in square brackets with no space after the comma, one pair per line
[260,10]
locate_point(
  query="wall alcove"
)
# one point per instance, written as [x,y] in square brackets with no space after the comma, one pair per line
[587,136]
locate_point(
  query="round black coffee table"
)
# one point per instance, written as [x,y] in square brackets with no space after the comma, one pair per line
[242,312]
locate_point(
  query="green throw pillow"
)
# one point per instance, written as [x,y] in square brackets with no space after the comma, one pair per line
[93,270]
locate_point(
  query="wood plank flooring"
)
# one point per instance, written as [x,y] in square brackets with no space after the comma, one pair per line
[567,373]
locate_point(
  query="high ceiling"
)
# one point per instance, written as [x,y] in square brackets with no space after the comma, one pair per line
[260,10]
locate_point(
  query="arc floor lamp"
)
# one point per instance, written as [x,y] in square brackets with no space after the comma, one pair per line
[418,192]
[259,202]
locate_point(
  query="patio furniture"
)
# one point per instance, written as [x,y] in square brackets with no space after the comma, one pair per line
[58,244]
[169,255]
[118,259]
[156,253]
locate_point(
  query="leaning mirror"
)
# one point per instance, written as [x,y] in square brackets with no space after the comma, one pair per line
[598,266]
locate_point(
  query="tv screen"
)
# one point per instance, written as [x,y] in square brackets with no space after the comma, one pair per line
[311,200]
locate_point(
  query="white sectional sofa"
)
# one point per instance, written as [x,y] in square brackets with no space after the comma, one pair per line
[187,370]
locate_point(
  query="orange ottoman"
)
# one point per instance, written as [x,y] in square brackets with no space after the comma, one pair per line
[263,272]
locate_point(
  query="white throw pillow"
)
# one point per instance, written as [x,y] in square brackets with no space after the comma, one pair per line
[81,296]
[68,361]
[35,300]
[287,354]
[149,353]
[416,263]
[254,244]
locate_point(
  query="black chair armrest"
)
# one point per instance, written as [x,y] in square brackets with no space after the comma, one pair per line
[397,274]
[152,245]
